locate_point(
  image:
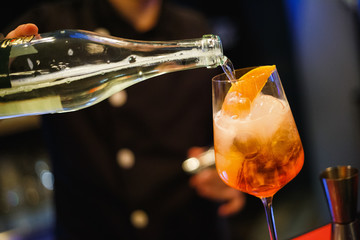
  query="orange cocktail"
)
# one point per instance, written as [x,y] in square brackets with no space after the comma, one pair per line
[260,153]
[257,145]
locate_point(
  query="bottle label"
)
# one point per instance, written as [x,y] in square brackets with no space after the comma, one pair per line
[48,104]
[5,49]
[15,41]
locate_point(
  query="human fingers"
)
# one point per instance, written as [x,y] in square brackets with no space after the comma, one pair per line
[201,178]
[195,151]
[208,184]
[233,205]
[23,30]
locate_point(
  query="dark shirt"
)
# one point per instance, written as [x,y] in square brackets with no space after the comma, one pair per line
[162,118]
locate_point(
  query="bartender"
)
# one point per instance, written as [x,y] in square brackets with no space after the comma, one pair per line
[117,165]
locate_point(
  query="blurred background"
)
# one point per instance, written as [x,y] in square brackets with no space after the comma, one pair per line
[315,45]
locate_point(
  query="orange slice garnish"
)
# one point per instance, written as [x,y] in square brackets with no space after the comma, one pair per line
[241,94]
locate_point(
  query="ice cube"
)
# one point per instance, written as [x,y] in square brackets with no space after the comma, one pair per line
[268,113]
[285,144]
[224,131]
[264,105]
[236,106]
[248,144]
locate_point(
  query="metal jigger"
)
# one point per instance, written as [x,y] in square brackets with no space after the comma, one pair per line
[341,187]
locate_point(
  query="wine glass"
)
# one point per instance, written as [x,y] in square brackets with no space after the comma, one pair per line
[257,145]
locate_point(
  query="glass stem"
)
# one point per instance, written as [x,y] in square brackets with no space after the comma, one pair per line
[267,201]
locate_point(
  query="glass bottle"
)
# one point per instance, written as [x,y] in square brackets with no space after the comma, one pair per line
[69,70]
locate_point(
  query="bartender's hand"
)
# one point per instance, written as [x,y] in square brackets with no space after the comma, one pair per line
[23,30]
[208,184]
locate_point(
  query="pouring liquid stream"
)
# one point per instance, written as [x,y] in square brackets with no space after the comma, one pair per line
[229,70]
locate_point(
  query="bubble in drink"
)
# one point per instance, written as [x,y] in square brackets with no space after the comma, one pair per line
[132,59]
[70,52]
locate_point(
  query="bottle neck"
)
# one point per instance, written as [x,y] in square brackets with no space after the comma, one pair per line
[203,52]
[212,50]
[180,55]
[155,58]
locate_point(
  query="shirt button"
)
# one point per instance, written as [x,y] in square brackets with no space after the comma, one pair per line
[125,158]
[139,219]
[118,99]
